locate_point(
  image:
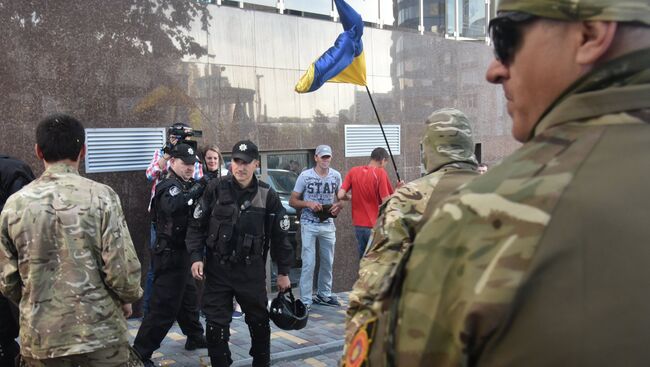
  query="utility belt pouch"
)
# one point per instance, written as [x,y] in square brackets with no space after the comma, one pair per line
[252,248]
[221,230]
[162,244]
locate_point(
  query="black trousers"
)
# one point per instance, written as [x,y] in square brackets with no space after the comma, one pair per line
[247,284]
[9,349]
[173,298]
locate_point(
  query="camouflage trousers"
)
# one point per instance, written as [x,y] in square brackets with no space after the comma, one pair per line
[121,355]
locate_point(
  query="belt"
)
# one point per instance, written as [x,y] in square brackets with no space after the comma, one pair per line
[316,221]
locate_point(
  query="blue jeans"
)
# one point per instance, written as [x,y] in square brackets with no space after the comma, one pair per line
[326,234]
[148,285]
[363,236]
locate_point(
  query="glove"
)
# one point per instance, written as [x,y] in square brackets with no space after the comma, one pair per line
[194,192]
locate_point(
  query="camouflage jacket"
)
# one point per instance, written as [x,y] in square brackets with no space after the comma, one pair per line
[543,261]
[399,219]
[67,259]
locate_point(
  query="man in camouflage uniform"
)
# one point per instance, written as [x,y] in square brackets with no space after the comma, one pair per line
[543,261]
[449,161]
[67,259]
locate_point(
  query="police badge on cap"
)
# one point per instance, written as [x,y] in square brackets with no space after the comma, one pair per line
[245,150]
[185,153]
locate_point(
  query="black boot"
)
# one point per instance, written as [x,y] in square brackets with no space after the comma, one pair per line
[146,362]
[217,339]
[260,343]
[196,342]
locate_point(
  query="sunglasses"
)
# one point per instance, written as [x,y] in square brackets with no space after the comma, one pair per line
[506,34]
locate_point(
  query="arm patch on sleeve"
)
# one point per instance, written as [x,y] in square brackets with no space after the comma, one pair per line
[284,223]
[174,190]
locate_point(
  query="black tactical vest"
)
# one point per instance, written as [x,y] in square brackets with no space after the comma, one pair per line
[170,227]
[237,232]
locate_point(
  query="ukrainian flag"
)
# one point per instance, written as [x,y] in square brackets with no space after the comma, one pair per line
[342,63]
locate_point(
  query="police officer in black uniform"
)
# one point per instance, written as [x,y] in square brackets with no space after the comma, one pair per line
[174,295]
[14,174]
[236,219]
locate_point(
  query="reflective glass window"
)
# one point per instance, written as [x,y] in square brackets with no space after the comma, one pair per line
[472,18]
[408,14]
[271,3]
[386,12]
[317,7]
[434,17]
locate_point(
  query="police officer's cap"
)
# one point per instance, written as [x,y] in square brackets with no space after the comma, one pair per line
[245,150]
[185,153]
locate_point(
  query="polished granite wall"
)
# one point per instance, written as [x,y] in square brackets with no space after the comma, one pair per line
[230,72]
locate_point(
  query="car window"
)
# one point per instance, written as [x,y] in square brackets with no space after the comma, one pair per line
[282,181]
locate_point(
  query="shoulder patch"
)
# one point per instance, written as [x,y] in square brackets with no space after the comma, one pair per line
[284,223]
[174,190]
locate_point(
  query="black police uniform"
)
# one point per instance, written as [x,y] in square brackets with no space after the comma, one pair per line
[236,225]
[174,294]
[14,174]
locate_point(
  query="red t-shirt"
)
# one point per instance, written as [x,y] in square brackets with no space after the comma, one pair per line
[369,186]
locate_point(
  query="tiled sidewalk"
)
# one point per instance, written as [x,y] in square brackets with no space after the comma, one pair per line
[318,344]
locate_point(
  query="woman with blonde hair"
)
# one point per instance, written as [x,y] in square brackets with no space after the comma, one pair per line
[212,162]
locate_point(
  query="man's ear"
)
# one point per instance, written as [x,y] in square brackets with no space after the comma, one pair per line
[597,38]
[82,153]
[38,152]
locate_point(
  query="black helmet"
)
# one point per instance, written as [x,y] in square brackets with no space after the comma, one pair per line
[287,312]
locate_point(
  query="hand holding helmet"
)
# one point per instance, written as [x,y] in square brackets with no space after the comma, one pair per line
[288,313]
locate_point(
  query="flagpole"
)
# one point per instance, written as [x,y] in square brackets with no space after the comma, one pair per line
[383,133]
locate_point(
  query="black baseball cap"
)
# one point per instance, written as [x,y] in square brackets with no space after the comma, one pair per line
[245,150]
[185,153]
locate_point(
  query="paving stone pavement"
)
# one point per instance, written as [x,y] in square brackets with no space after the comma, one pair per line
[319,344]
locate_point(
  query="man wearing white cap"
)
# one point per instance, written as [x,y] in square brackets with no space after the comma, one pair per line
[315,193]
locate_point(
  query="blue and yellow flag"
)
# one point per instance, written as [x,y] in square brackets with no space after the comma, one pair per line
[342,63]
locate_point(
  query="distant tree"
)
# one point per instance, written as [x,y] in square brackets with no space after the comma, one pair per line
[320,117]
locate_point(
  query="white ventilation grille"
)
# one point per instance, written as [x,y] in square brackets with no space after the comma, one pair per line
[360,140]
[116,150]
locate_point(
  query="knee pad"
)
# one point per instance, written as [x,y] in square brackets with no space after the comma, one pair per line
[216,334]
[260,333]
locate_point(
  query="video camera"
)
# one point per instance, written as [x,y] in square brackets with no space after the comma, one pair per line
[182,132]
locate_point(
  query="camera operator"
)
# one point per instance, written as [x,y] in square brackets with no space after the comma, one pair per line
[155,172]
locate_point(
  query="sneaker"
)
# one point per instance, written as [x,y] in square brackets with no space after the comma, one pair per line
[308,307]
[327,301]
[237,315]
[196,342]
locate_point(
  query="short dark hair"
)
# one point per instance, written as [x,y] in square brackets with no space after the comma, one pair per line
[379,154]
[60,137]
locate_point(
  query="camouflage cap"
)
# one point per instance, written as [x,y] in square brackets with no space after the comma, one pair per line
[448,139]
[574,10]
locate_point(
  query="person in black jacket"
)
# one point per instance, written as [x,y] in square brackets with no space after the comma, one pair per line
[14,174]
[235,220]
[174,294]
